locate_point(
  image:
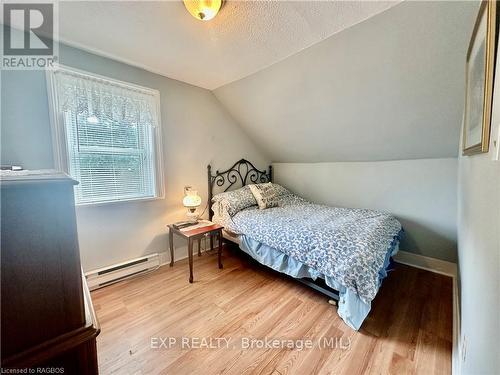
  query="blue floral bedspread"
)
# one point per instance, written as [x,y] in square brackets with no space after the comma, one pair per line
[346,244]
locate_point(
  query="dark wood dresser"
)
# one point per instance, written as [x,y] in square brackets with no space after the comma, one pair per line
[47,316]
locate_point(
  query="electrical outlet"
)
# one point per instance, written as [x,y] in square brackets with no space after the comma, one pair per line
[464,348]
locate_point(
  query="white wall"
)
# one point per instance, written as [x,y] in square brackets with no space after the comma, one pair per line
[420,193]
[196,131]
[479,253]
[388,88]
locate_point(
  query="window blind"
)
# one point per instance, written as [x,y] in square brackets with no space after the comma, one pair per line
[110,131]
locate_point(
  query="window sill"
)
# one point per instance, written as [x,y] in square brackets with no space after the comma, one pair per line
[118,202]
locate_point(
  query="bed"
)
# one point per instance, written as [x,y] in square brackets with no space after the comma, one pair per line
[344,253]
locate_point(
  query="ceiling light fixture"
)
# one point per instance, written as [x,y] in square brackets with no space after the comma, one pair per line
[203,10]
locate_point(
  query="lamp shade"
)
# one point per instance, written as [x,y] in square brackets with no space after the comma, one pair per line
[192,199]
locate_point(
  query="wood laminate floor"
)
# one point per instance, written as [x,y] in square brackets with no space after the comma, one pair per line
[408,331]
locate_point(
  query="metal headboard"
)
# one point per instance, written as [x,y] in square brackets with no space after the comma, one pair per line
[240,174]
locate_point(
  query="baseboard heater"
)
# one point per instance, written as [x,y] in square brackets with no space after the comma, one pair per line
[111,274]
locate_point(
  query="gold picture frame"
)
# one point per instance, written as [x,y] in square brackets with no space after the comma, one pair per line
[479,72]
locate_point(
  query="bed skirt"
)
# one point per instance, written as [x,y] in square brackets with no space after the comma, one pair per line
[352,309]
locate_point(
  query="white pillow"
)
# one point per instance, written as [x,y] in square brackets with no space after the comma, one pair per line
[266,195]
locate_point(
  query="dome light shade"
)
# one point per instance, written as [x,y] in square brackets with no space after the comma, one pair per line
[192,199]
[203,10]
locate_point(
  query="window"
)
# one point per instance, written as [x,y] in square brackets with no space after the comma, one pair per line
[106,136]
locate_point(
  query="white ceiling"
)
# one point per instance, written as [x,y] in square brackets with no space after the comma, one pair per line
[244,38]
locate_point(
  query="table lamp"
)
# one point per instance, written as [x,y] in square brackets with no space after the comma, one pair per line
[191,201]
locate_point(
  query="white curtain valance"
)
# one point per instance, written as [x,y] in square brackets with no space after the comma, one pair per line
[105,99]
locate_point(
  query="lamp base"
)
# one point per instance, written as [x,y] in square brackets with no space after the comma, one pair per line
[192,216]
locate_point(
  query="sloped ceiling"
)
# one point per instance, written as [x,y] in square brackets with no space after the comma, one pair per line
[246,36]
[391,87]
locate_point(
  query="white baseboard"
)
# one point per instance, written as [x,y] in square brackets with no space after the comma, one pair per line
[445,268]
[427,263]
[181,252]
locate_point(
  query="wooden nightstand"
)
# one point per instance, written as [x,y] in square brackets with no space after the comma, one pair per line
[195,234]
